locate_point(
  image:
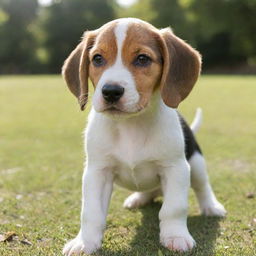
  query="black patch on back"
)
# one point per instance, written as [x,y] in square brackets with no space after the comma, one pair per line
[191,146]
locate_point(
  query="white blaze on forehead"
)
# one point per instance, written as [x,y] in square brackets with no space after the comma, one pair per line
[120,33]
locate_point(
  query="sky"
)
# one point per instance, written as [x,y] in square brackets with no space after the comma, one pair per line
[126,2]
[121,2]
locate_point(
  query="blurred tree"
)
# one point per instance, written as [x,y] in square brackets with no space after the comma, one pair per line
[225,30]
[17,44]
[141,9]
[66,20]
[38,39]
[171,13]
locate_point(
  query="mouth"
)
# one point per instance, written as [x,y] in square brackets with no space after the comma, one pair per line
[114,110]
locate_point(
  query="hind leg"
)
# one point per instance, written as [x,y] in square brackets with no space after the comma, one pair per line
[139,199]
[209,205]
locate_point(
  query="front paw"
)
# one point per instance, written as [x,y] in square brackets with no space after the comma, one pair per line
[179,243]
[79,245]
[176,237]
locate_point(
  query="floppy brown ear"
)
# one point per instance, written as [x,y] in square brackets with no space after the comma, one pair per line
[182,65]
[76,67]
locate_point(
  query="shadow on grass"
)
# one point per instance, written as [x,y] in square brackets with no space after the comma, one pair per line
[205,231]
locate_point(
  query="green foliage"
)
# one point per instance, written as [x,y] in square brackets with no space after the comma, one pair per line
[141,9]
[17,44]
[41,161]
[64,24]
[38,38]
[225,29]
[170,13]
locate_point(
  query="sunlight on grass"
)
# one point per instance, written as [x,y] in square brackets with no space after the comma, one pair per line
[41,162]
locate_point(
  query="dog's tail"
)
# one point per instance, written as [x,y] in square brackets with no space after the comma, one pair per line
[197,121]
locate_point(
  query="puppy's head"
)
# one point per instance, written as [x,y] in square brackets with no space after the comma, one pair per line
[127,60]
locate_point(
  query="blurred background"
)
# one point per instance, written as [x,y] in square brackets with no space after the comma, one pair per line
[37,35]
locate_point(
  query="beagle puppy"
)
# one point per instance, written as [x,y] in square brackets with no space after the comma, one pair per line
[135,137]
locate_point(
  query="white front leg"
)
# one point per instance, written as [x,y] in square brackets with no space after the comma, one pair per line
[175,180]
[97,189]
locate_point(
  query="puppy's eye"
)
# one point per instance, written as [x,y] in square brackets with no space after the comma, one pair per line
[142,60]
[98,60]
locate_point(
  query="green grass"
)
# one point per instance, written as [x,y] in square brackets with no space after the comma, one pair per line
[41,159]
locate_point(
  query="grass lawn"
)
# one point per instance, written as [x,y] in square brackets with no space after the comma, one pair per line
[41,162]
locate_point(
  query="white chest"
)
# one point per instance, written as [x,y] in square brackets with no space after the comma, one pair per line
[137,149]
[142,177]
[135,159]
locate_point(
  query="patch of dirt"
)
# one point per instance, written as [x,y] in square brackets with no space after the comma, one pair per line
[238,165]
[10,171]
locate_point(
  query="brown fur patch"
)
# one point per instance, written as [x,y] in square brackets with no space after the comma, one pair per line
[105,45]
[143,39]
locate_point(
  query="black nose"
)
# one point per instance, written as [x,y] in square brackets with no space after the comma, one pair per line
[112,93]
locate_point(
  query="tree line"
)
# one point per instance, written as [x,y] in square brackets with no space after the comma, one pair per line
[37,39]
